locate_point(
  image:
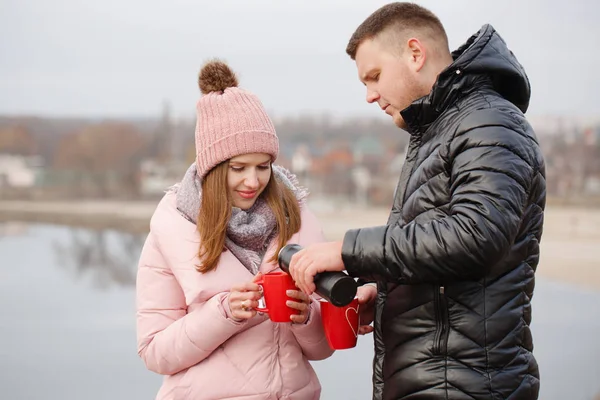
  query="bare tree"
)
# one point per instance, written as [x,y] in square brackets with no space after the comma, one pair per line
[103,157]
[17,140]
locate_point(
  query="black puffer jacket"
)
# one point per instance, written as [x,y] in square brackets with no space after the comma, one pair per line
[455,263]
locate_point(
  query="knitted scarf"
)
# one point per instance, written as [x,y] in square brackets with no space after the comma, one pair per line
[249,232]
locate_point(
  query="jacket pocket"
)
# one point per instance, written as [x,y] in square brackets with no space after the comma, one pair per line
[440,340]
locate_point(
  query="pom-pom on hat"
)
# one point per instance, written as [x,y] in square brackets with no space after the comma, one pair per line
[230,121]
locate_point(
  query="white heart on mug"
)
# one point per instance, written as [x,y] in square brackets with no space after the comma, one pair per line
[348,319]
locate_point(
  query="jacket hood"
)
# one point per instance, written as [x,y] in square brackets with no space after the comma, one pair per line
[484,57]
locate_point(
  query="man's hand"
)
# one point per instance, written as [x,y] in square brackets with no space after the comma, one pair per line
[366,298]
[313,259]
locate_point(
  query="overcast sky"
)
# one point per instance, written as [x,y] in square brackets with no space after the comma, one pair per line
[124,57]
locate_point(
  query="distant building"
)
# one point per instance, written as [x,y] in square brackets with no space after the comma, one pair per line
[367,147]
[18,171]
[157,177]
[301,161]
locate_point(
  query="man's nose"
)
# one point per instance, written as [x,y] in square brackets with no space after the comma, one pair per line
[372,96]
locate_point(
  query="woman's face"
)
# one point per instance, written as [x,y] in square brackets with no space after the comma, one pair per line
[247,177]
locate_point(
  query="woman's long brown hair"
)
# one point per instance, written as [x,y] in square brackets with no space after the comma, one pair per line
[215,213]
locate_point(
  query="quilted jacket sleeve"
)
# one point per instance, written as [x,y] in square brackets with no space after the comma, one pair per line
[491,172]
[169,338]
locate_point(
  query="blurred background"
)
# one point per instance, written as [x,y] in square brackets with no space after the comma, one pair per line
[97,115]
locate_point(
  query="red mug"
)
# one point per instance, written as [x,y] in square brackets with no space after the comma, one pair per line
[340,324]
[275,286]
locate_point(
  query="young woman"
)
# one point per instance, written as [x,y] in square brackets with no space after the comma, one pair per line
[211,237]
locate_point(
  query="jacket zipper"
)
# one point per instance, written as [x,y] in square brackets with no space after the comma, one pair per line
[440,342]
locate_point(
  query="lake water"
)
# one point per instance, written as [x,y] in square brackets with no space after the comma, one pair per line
[67,325]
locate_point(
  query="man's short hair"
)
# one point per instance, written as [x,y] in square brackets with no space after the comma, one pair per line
[399,18]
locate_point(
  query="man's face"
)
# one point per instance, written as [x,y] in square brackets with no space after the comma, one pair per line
[391,79]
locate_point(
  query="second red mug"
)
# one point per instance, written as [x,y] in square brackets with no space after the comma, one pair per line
[340,324]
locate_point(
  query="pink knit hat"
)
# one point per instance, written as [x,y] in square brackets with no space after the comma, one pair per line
[230,121]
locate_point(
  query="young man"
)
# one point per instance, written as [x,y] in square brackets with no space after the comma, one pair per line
[455,263]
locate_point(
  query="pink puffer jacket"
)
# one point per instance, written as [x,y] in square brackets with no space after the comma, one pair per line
[184,331]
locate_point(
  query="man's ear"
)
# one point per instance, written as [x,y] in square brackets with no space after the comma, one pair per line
[416,53]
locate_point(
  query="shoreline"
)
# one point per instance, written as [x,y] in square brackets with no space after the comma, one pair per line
[132,217]
[570,246]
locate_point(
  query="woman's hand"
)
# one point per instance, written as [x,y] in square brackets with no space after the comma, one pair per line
[302,304]
[243,299]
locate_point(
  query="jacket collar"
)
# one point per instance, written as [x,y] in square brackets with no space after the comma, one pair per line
[483,60]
